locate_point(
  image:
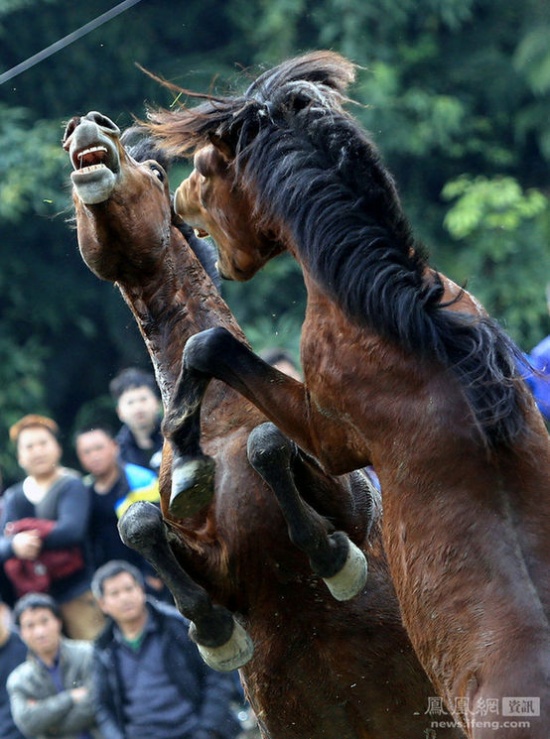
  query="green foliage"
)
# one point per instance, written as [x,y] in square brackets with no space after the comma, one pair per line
[10,6]
[277,289]
[507,256]
[494,204]
[38,189]
[274,26]
[532,58]
[21,391]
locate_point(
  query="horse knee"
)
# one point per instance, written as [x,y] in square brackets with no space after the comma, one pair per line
[267,445]
[202,351]
[141,527]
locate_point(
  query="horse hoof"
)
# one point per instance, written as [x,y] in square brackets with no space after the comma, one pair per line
[192,486]
[235,653]
[351,579]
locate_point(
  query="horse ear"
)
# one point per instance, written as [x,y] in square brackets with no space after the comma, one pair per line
[222,145]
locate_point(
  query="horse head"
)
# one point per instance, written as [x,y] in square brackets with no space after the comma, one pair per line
[103,169]
[210,201]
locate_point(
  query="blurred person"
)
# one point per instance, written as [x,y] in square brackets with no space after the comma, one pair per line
[44,520]
[282,360]
[150,681]
[12,653]
[7,592]
[50,692]
[114,485]
[139,408]
[539,381]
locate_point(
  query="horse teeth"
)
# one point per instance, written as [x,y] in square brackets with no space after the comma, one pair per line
[92,167]
[91,150]
[92,155]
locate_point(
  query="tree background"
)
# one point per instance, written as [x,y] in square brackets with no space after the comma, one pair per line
[455,93]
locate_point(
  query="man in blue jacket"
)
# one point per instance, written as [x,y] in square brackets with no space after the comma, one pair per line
[139,407]
[150,681]
[114,486]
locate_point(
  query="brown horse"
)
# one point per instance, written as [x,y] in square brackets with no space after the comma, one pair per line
[402,368]
[321,668]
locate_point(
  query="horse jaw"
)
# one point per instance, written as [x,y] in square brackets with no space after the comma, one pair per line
[94,184]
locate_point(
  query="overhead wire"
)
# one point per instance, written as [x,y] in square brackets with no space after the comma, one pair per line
[66,40]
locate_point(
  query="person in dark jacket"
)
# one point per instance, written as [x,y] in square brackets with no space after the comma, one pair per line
[150,681]
[50,495]
[50,692]
[138,406]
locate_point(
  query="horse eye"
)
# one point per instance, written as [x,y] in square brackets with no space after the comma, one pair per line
[158,171]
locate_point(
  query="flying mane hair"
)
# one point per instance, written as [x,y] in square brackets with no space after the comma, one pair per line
[314,174]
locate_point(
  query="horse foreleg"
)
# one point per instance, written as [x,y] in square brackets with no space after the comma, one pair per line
[192,471]
[332,556]
[221,640]
[211,353]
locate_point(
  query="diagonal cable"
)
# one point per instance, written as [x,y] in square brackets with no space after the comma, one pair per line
[66,41]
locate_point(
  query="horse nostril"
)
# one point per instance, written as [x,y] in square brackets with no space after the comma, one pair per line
[102,121]
[69,128]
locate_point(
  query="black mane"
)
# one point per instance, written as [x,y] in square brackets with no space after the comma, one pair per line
[315,174]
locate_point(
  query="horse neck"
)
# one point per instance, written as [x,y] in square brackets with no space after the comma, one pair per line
[173,303]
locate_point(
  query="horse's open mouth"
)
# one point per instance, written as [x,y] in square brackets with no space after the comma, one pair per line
[94,158]
[91,158]
[95,172]
[96,165]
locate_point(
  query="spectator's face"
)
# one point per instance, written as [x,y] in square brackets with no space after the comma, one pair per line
[123,599]
[38,451]
[97,452]
[139,408]
[41,632]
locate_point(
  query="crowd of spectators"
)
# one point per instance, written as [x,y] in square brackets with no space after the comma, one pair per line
[91,645]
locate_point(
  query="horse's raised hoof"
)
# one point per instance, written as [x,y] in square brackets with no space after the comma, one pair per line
[235,653]
[352,578]
[192,486]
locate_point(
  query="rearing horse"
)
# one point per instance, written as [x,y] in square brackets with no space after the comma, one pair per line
[403,369]
[321,669]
